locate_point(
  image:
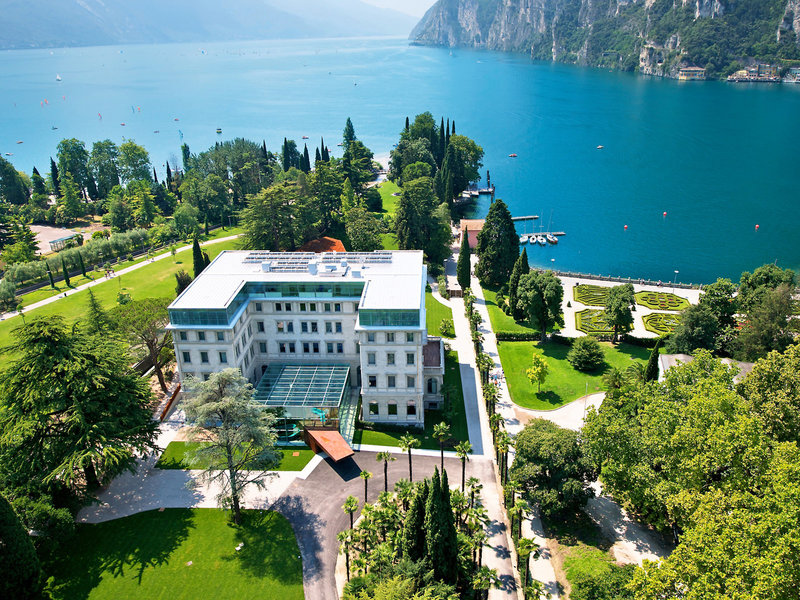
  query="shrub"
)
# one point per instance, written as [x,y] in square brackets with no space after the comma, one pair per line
[586,354]
[18,561]
[517,336]
[443,291]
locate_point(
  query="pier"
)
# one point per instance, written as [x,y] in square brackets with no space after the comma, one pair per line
[528,218]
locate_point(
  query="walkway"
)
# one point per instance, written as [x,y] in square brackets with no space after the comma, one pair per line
[57,297]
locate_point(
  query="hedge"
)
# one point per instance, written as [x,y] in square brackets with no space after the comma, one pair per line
[517,336]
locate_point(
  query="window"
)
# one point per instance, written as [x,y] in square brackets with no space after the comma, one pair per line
[370,337]
[410,338]
[392,406]
[258,307]
[411,381]
[327,307]
[340,348]
[312,307]
[281,326]
[303,326]
[204,357]
[201,336]
[187,358]
[370,358]
[278,307]
[220,336]
[223,358]
[391,381]
[306,347]
[390,338]
[315,347]
[337,307]
[390,358]
[373,381]
[409,358]
[373,408]
[329,347]
[292,348]
[314,327]
[288,306]
[432,386]
[206,376]
[290,326]
[260,326]
[302,307]
[182,335]
[411,409]
[262,347]
[249,329]
[328,327]
[338,327]
[282,347]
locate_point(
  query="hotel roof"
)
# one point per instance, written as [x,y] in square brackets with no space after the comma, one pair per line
[392,279]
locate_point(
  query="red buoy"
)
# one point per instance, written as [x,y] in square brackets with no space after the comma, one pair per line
[665,213]
[626,228]
[756,227]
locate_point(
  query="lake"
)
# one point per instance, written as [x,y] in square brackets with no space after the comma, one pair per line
[718,158]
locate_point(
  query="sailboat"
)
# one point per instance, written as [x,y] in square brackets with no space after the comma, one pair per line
[58,77]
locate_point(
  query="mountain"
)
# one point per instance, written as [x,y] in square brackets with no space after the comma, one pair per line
[656,37]
[49,23]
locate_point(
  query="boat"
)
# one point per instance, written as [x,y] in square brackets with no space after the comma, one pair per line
[9,154]
[122,124]
[541,240]
[219,129]
[599,147]
[305,137]
[20,142]
[156,131]
[512,156]
[54,128]
[176,119]
[551,238]
[523,239]
[58,77]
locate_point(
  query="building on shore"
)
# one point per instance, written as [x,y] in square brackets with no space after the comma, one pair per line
[691,74]
[471,228]
[756,74]
[314,332]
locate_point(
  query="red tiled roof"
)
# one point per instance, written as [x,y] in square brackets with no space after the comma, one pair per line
[323,244]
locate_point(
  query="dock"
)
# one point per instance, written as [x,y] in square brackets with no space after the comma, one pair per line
[528,218]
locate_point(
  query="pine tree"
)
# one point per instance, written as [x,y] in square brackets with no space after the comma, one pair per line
[651,371]
[408,126]
[66,271]
[50,275]
[97,320]
[349,134]
[413,541]
[463,266]
[520,268]
[186,155]
[19,564]
[197,257]
[54,177]
[81,264]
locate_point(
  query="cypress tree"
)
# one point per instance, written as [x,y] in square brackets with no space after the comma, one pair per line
[463,266]
[155,175]
[651,371]
[55,178]
[81,264]
[438,533]
[183,280]
[440,153]
[206,260]
[520,268]
[169,174]
[349,134]
[19,564]
[197,257]
[324,150]
[306,164]
[66,271]
[50,275]
[450,535]
[407,125]
[317,157]
[413,541]
[186,155]
[285,155]
[447,135]
[454,127]
[448,189]
[205,225]
[498,246]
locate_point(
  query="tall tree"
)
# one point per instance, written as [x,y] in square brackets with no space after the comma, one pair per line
[133,162]
[754,286]
[103,166]
[498,246]
[305,165]
[407,443]
[97,319]
[363,230]
[521,267]
[413,541]
[349,134]
[386,457]
[73,159]
[463,450]
[441,431]
[239,438]
[22,573]
[12,187]
[540,295]
[770,325]
[698,328]
[651,371]
[464,265]
[69,207]
[617,309]
[197,257]
[55,180]
[143,323]
[269,219]
[366,476]
[65,271]
[719,298]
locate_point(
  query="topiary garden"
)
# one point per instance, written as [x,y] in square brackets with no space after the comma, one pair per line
[661,323]
[593,322]
[661,301]
[590,295]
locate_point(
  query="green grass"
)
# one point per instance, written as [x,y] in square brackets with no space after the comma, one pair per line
[389,241]
[661,323]
[435,312]
[457,421]
[387,188]
[563,384]
[500,320]
[175,452]
[151,281]
[661,301]
[145,556]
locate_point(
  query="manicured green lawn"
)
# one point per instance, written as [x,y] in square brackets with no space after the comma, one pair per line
[151,281]
[563,384]
[458,421]
[387,188]
[180,554]
[174,453]
[500,320]
[389,241]
[436,311]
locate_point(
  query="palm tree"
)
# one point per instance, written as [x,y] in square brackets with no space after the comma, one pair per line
[494,424]
[350,506]
[503,445]
[365,475]
[636,373]
[407,443]
[511,488]
[613,379]
[475,486]
[345,538]
[404,490]
[463,450]
[441,432]
[483,580]
[526,548]
[522,507]
[479,539]
[385,456]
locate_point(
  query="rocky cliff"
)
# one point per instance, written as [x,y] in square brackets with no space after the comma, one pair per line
[652,36]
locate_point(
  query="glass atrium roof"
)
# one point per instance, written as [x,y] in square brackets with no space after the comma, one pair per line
[309,386]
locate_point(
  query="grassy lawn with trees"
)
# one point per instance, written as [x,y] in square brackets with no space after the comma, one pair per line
[181,554]
[155,280]
[563,383]
[500,320]
[387,188]
[175,452]
[457,421]
[435,312]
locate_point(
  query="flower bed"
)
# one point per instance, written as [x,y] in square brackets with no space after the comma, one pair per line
[661,323]
[592,321]
[590,295]
[661,301]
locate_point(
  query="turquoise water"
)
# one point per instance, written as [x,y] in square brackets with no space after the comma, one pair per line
[718,158]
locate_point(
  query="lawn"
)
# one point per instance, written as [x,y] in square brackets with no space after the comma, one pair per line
[435,312]
[389,241]
[387,188]
[563,384]
[500,320]
[173,456]
[151,281]
[180,554]
[457,421]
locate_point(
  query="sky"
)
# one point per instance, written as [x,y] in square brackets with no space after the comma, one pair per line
[415,8]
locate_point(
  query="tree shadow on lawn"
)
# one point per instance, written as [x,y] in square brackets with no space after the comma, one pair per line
[307,526]
[138,542]
[576,527]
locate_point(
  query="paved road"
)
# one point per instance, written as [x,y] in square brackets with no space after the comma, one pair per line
[314,508]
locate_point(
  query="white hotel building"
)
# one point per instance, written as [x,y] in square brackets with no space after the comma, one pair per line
[360,315]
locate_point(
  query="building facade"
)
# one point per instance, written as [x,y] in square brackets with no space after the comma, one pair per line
[367,310]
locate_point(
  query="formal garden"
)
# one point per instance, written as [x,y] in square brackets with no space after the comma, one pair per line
[590,295]
[661,323]
[180,554]
[661,301]
[592,321]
